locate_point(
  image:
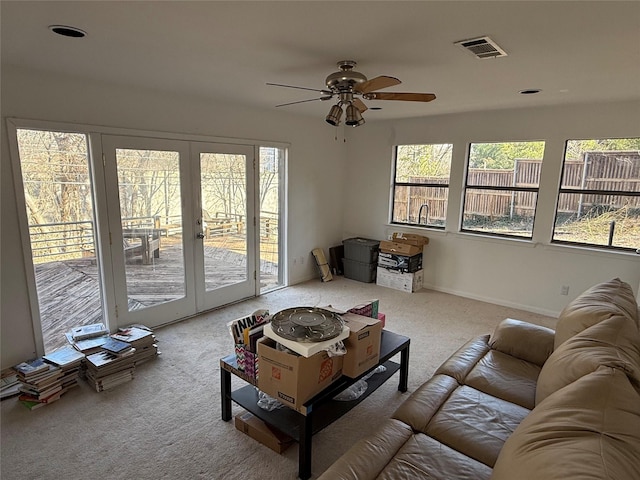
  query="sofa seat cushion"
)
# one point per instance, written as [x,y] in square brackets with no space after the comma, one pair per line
[423,458]
[475,424]
[505,377]
[368,457]
[598,303]
[614,342]
[589,429]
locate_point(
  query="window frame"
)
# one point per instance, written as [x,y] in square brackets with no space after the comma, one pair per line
[396,184]
[587,191]
[511,189]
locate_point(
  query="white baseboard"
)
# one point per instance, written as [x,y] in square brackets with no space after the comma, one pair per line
[496,301]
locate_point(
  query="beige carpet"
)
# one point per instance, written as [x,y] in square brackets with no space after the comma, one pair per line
[166,423]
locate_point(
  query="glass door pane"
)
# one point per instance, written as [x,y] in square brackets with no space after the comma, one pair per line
[270,181]
[58,197]
[226,258]
[151,219]
[151,246]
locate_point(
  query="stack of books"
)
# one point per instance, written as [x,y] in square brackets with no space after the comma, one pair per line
[140,338]
[9,383]
[40,383]
[113,365]
[88,339]
[69,361]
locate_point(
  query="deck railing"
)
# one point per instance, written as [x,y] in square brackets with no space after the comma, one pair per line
[67,240]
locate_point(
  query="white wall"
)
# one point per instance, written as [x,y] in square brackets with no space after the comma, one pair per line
[339,190]
[523,274]
[315,178]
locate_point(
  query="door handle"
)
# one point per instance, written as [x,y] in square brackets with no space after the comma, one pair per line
[200,235]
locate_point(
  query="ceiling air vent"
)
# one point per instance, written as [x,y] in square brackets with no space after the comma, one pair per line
[482,47]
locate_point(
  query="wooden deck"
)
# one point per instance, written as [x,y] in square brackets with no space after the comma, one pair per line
[69,292]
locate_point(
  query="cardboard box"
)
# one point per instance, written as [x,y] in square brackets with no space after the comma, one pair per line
[410,239]
[277,441]
[294,379]
[363,344]
[400,248]
[404,263]
[407,282]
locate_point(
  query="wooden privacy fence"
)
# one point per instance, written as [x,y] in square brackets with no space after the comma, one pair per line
[611,171]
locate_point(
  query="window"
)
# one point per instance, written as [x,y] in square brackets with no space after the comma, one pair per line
[599,197]
[421,184]
[501,188]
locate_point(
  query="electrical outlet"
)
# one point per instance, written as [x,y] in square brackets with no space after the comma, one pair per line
[295,260]
[302,260]
[564,290]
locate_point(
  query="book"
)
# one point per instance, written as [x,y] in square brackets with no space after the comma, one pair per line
[136,336]
[102,359]
[41,394]
[117,347]
[88,345]
[237,327]
[88,331]
[64,357]
[9,383]
[31,367]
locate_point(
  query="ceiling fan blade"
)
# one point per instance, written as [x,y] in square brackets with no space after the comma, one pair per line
[408,97]
[324,92]
[359,104]
[377,83]
[304,101]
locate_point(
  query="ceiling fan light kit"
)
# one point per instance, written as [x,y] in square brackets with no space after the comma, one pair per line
[334,115]
[346,84]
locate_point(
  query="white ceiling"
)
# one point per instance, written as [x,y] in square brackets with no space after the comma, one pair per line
[575,51]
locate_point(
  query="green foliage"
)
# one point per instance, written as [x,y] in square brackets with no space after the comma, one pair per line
[503,155]
[575,148]
[415,161]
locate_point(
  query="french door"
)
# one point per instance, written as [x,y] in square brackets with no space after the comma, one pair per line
[181,226]
[122,228]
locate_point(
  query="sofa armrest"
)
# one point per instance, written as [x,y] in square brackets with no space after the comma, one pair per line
[523,340]
[465,358]
[424,403]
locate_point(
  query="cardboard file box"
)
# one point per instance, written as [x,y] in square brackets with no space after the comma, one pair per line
[363,344]
[400,248]
[410,239]
[248,423]
[404,263]
[292,378]
[406,282]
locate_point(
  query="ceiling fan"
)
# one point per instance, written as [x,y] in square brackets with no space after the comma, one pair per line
[347,85]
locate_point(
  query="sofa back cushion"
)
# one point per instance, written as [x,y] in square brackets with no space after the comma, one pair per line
[598,303]
[589,430]
[614,342]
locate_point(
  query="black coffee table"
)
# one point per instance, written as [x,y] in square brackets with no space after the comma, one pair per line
[322,410]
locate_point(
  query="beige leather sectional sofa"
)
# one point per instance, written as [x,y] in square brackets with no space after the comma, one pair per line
[523,403]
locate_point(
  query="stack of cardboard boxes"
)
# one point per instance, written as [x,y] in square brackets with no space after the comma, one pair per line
[400,262]
[293,378]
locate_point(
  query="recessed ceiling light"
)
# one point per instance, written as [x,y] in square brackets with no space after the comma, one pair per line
[67,31]
[530,91]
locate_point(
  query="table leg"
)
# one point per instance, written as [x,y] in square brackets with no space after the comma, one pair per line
[225,394]
[304,453]
[146,254]
[404,369]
